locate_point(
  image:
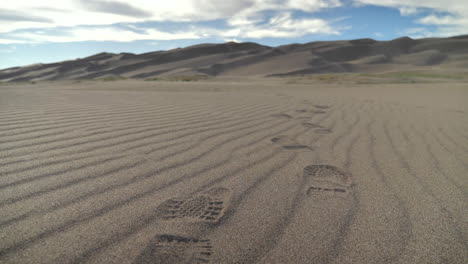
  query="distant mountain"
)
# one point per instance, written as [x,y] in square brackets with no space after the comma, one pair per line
[251,59]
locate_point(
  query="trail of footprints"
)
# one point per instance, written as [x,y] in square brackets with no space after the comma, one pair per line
[210,206]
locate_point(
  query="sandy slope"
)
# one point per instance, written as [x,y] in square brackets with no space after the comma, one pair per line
[233,172]
[251,59]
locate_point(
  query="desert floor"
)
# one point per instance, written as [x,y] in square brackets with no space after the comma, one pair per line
[233,171]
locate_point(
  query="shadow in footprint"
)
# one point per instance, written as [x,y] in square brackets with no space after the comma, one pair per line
[322,106]
[296,147]
[317,112]
[287,143]
[171,249]
[286,116]
[323,131]
[312,125]
[313,190]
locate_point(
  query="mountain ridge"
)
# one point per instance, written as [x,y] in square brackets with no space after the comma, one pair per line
[252,59]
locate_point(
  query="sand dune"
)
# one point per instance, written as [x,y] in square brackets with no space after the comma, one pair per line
[251,59]
[258,171]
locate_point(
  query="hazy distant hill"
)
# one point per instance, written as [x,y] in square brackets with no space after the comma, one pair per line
[251,59]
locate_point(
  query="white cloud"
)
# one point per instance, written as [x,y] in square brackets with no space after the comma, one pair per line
[232,40]
[455,22]
[282,25]
[11,40]
[245,19]
[441,32]
[443,20]
[313,5]
[408,11]
[106,12]
[99,34]
[113,7]
[447,5]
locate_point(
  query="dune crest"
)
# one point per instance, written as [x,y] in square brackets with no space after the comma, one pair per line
[250,59]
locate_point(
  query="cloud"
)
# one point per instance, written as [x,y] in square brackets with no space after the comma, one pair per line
[442,20]
[445,5]
[454,18]
[82,20]
[78,34]
[408,11]
[222,8]
[312,5]
[16,16]
[446,31]
[105,12]
[285,26]
[232,40]
[113,7]
[450,17]
[5,41]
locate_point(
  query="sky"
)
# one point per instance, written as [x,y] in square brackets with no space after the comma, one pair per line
[44,31]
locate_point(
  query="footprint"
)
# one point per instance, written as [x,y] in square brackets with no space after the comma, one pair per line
[323,131]
[301,111]
[322,106]
[282,116]
[457,111]
[324,172]
[311,125]
[173,249]
[209,206]
[327,179]
[323,209]
[287,143]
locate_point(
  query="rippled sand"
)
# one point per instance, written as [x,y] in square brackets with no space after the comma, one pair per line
[233,172]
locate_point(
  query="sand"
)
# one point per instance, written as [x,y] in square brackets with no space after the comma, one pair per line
[233,171]
[249,59]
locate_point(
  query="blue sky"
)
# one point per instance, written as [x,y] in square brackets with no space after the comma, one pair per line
[45,31]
